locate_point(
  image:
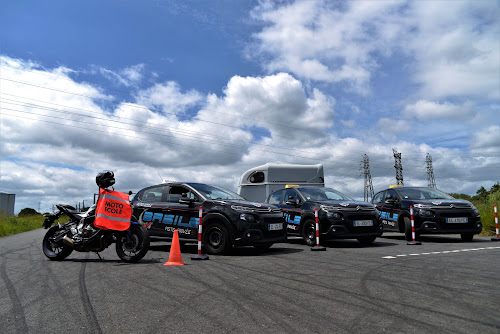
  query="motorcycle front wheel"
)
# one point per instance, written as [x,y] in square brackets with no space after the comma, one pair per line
[55,251]
[132,246]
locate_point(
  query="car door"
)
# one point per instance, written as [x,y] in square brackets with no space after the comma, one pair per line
[182,216]
[385,212]
[390,209]
[153,205]
[292,213]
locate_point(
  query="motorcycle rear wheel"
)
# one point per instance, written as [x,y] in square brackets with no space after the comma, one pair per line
[55,251]
[132,246]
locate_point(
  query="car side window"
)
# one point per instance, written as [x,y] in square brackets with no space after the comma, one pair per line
[290,193]
[379,198]
[275,198]
[153,194]
[175,194]
[390,194]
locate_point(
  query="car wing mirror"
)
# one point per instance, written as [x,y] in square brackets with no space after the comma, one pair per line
[292,201]
[186,200]
[390,201]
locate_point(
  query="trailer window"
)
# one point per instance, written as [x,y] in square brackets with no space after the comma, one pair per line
[256,177]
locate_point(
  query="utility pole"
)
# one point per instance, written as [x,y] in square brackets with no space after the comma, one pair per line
[368,193]
[399,167]
[431,183]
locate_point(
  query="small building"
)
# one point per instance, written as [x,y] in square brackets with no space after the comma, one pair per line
[7,202]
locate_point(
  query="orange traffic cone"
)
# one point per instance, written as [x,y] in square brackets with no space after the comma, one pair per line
[175,258]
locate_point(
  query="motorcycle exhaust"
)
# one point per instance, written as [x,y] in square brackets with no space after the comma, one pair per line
[68,241]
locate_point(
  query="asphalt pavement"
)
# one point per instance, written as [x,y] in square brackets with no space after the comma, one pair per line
[442,286]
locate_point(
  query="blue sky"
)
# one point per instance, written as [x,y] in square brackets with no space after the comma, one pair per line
[204,90]
[195,43]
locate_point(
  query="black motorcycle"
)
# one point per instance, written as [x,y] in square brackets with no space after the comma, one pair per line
[80,233]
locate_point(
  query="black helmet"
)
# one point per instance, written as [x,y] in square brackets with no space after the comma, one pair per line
[105,179]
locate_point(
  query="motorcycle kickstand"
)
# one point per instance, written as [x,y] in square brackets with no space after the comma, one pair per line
[100,258]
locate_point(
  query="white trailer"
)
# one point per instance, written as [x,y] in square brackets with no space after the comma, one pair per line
[257,183]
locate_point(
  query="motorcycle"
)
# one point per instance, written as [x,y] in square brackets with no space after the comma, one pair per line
[80,234]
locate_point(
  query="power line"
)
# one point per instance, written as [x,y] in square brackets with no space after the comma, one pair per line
[162,111]
[24,104]
[175,114]
[316,159]
[327,159]
[166,135]
[197,134]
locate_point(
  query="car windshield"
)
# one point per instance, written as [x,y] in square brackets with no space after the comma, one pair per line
[323,194]
[423,193]
[212,192]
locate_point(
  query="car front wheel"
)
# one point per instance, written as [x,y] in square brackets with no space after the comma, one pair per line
[309,232]
[216,239]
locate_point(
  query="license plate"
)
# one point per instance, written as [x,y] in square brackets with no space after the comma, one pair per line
[457,220]
[358,223]
[274,227]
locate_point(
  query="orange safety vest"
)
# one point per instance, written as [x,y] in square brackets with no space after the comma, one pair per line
[113,210]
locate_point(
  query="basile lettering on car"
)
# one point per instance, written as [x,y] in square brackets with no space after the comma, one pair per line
[169,219]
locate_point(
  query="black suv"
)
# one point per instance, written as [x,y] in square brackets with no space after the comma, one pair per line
[433,212]
[339,216]
[228,219]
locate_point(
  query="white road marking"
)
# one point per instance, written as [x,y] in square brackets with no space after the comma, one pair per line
[443,252]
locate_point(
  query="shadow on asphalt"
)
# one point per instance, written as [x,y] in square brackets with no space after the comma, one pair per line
[115,261]
[439,239]
[355,244]
[236,251]
[278,248]
[69,259]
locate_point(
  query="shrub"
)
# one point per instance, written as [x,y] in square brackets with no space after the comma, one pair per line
[27,212]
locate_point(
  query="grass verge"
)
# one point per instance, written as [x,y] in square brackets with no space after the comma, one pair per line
[10,225]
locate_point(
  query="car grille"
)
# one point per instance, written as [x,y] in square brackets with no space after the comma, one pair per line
[267,210]
[255,210]
[453,214]
[358,209]
[451,206]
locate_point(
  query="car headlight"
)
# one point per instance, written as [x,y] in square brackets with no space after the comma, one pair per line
[424,212]
[334,215]
[476,211]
